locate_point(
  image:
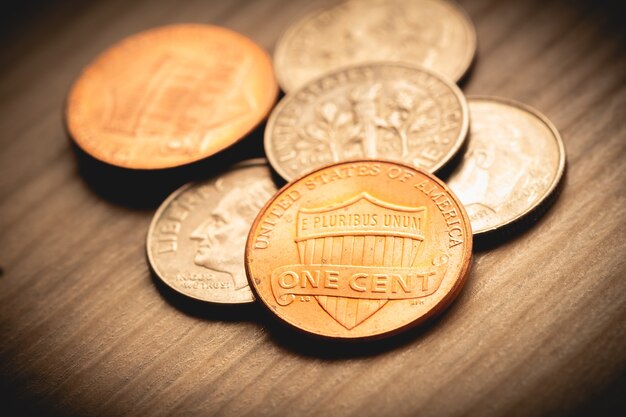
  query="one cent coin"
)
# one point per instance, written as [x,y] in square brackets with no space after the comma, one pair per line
[359,249]
[434,34]
[197,237]
[514,162]
[382,110]
[170,96]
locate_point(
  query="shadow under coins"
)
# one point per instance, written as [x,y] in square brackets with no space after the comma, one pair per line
[467,76]
[304,344]
[289,338]
[246,312]
[454,163]
[146,189]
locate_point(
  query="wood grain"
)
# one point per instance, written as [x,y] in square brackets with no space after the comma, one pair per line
[540,328]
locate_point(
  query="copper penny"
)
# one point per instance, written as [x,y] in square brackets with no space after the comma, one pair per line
[435,34]
[196,241]
[170,96]
[514,162]
[359,249]
[381,110]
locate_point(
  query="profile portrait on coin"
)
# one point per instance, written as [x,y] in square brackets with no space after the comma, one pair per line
[196,240]
[221,238]
[483,190]
[514,161]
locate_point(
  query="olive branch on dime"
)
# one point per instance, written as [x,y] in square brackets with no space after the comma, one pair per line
[332,129]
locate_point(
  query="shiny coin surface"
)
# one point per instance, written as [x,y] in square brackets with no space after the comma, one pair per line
[435,34]
[170,96]
[514,162]
[359,249]
[388,111]
[197,238]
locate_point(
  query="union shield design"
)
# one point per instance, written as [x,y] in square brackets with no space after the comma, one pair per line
[361,232]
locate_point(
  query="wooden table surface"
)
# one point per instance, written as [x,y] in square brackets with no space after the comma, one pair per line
[539,329]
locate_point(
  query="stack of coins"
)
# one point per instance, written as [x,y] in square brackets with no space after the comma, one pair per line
[364,240]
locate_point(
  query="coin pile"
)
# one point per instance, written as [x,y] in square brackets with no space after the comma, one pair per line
[364,240]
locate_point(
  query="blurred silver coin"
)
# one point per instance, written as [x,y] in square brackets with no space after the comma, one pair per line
[434,34]
[197,237]
[514,163]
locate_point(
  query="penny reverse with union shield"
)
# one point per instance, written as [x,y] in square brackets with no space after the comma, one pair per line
[513,165]
[197,238]
[359,249]
[434,34]
[381,110]
[170,96]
